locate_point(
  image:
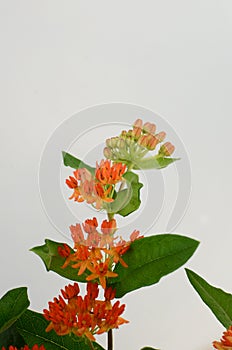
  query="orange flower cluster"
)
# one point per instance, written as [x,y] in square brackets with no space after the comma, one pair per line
[84,316]
[132,145]
[98,188]
[96,252]
[226,341]
[26,347]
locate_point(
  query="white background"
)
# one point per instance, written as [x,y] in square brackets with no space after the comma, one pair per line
[172,57]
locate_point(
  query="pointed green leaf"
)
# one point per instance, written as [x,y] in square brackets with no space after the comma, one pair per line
[154,162]
[12,305]
[12,337]
[75,163]
[148,348]
[54,262]
[127,200]
[32,327]
[151,258]
[216,299]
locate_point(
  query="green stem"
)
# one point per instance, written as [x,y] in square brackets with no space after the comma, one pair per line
[110,339]
[130,167]
[110,216]
[90,344]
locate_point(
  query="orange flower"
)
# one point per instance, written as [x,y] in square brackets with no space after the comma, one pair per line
[97,254]
[109,174]
[116,252]
[135,235]
[85,326]
[101,271]
[109,293]
[77,234]
[108,229]
[72,182]
[92,290]
[70,291]
[102,195]
[112,319]
[95,189]
[83,316]
[64,250]
[90,225]
[226,341]
[121,247]
[82,256]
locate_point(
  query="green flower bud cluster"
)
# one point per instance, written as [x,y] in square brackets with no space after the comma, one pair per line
[132,145]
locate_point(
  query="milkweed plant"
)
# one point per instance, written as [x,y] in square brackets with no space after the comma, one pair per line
[108,265]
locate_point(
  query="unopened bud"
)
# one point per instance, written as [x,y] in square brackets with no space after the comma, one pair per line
[153,141]
[129,140]
[136,132]
[161,136]
[123,134]
[138,123]
[108,142]
[107,153]
[149,128]
[167,149]
[112,142]
[143,141]
[121,144]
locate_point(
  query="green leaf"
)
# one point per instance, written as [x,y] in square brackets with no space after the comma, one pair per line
[154,162]
[75,163]
[32,327]
[148,348]
[151,258]
[127,200]
[12,305]
[12,337]
[54,262]
[216,299]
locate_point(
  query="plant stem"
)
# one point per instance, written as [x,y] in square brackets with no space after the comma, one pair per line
[90,344]
[110,216]
[110,339]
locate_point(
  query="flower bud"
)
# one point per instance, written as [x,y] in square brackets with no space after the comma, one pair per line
[143,141]
[149,128]
[136,132]
[152,142]
[167,149]
[161,136]
[129,140]
[108,142]
[112,143]
[123,134]
[138,123]
[121,143]
[107,153]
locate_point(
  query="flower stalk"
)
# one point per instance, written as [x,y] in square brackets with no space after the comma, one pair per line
[110,340]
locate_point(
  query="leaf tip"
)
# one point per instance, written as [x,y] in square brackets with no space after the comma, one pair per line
[64,153]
